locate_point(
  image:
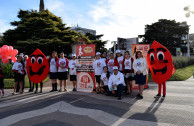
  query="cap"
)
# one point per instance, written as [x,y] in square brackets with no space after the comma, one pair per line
[118,51]
[21,54]
[73,55]
[26,56]
[98,53]
[115,68]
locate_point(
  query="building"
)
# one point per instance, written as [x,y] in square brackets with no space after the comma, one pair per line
[126,44]
[83,30]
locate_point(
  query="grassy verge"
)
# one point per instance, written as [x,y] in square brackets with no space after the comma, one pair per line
[181,74]
[9,83]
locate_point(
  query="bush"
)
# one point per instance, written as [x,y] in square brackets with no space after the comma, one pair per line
[180,62]
[7,71]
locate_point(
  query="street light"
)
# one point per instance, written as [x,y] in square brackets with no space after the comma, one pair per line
[190,10]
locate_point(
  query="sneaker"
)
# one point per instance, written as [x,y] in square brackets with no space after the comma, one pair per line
[74,89]
[119,98]
[21,92]
[65,90]
[36,91]
[52,90]
[60,90]
[13,93]
[40,92]
[163,97]
[157,96]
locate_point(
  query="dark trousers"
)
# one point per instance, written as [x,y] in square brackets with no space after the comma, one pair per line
[120,89]
[41,85]
[118,92]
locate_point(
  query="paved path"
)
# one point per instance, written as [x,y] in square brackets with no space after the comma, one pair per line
[89,109]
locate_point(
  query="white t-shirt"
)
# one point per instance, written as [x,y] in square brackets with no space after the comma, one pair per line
[63,63]
[127,64]
[120,61]
[104,79]
[98,66]
[139,64]
[104,59]
[72,66]
[18,66]
[53,65]
[110,65]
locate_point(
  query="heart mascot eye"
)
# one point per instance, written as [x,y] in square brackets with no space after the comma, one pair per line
[152,57]
[33,60]
[160,55]
[40,60]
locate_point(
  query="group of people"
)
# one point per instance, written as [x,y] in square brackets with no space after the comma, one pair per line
[118,74]
[113,75]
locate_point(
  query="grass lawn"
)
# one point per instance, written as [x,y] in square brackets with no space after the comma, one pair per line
[181,74]
[9,83]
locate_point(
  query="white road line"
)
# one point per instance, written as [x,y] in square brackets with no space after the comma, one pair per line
[76,100]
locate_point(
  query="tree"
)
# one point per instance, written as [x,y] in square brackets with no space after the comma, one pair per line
[96,39]
[167,32]
[41,30]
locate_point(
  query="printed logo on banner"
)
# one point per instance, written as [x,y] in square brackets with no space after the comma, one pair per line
[85,50]
[88,49]
[85,82]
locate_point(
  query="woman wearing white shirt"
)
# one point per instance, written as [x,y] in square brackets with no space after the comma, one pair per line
[18,69]
[104,80]
[140,70]
[72,71]
[119,58]
[53,70]
[62,64]
[98,68]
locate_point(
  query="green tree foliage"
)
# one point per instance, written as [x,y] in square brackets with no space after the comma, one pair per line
[96,39]
[167,32]
[41,30]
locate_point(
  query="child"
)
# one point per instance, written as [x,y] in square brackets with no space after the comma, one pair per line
[1,82]
[104,80]
[72,66]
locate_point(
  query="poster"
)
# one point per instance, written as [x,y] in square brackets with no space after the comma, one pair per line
[178,52]
[144,49]
[85,72]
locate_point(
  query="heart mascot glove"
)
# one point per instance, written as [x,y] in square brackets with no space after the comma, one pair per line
[37,66]
[160,63]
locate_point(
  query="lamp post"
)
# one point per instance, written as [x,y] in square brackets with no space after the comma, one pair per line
[189,11]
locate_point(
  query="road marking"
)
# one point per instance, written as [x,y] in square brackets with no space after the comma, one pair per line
[76,100]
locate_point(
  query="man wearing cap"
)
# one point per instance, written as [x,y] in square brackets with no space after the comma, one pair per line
[116,82]
[72,71]
[98,68]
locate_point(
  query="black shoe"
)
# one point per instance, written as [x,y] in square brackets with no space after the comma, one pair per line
[137,95]
[119,98]
[55,87]
[158,95]
[40,92]
[35,91]
[74,89]
[163,97]
[140,97]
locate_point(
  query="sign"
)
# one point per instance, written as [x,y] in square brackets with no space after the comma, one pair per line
[85,71]
[85,50]
[178,52]
[85,81]
[144,49]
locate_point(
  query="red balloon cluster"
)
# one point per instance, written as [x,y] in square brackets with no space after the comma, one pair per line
[7,52]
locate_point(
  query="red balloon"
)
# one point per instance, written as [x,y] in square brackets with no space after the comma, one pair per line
[10,50]
[5,48]
[5,60]
[14,59]
[0,50]
[14,52]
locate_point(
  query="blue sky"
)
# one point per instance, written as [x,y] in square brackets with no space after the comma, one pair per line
[113,18]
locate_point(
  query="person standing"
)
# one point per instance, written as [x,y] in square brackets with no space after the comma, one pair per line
[111,62]
[53,70]
[128,71]
[98,68]
[119,58]
[62,64]
[18,69]
[116,82]
[104,56]
[140,70]
[72,71]
[1,82]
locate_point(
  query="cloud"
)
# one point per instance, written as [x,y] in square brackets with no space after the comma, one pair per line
[127,18]
[4,25]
